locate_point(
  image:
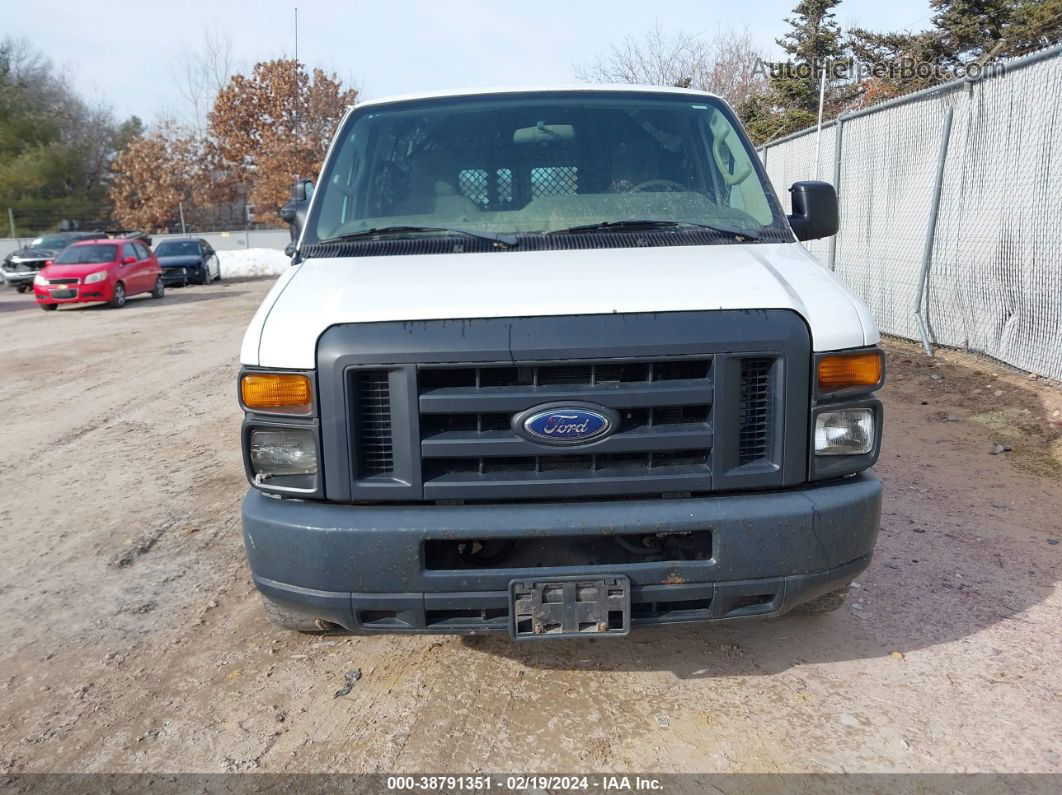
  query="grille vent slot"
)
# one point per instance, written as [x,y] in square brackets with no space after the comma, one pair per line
[434,424]
[617,464]
[598,374]
[375,448]
[757,406]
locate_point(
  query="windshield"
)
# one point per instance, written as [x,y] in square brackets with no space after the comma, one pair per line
[177,248]
[50,241]
[88,254]
[539,163]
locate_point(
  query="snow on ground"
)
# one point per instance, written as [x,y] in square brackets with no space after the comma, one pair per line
[253,262]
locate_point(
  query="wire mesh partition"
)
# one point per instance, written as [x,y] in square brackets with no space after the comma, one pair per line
[991,273]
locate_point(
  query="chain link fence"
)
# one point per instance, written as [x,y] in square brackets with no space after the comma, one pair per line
[951,210]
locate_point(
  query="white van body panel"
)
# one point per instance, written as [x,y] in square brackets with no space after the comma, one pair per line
[320,293]
[535,88]
[251,337]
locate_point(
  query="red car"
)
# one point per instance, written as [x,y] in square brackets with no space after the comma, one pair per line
[108,270]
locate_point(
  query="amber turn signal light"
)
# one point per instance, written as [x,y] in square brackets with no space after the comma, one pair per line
[861,370]
[277,393]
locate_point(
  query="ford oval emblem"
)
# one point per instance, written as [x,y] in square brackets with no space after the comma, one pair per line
[565,424]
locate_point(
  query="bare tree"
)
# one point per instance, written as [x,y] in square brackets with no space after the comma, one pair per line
[723,64]
[199,75]
[40,83]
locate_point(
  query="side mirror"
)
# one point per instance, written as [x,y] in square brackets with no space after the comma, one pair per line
[815,212]
[288,213]
[303,190]
[294,212]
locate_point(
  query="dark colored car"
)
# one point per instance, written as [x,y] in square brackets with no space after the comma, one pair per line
[188,260]
[21,266]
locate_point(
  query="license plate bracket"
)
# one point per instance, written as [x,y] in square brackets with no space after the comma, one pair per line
[570,607]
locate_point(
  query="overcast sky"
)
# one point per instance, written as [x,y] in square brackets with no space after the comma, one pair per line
[385,47]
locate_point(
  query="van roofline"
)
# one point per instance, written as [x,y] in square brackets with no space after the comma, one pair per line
[574,88]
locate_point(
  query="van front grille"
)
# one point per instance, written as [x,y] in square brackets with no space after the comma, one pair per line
[431,410]
[469,446]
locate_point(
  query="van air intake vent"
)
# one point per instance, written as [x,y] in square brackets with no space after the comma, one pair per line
[375,451]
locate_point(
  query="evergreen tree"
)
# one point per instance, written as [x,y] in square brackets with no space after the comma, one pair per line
[972,29]
[963,32]
[814,43]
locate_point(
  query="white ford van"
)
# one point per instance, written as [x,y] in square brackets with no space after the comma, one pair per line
[553,362]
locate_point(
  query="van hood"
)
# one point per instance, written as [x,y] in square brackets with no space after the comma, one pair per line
[318,293]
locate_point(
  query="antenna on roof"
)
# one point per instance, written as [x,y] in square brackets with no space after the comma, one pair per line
[295,100]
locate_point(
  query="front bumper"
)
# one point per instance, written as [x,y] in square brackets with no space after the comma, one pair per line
[82,293]
[182,274]
[363,567]
[16,278]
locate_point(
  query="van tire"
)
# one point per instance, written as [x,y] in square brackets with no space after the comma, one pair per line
[826,603]
[285,618]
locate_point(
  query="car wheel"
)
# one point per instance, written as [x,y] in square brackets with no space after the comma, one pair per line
[22,288]
[204,277]
[49,307]
[160,288]
[118,297]
[286,618]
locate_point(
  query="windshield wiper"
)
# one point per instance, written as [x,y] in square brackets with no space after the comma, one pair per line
[508,241]
[636,225]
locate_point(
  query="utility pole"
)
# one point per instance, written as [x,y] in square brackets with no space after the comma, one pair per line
[180,207]
[11,220]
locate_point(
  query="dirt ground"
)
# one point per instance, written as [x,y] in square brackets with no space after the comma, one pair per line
[133,640]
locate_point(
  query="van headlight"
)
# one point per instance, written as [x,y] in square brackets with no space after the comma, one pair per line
[283,451]
[844,432]
[98,276]
[283,459]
